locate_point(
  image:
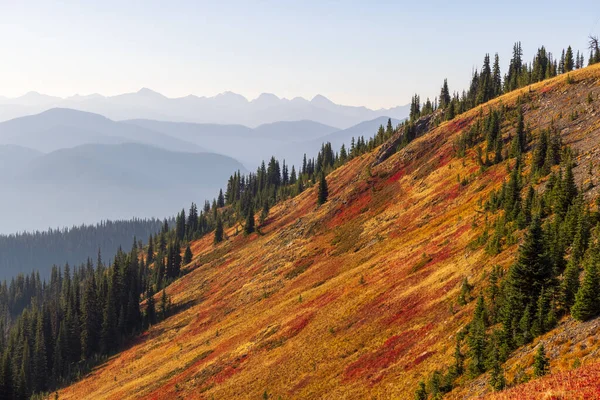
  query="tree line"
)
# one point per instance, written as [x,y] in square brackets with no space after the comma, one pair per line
[38,251]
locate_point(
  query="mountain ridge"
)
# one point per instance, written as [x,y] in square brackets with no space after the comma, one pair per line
[223,108]
[357,297]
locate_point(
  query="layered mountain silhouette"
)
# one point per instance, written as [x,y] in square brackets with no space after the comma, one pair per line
[287,140]
[92,182]
[224,108]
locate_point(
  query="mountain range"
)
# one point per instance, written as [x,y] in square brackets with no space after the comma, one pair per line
[92,182]
[77,167]
[224,108]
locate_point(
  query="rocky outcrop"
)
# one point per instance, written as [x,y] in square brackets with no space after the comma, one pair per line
[421,126]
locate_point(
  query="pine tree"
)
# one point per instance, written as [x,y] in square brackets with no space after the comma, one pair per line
[497,380]
[91,319]
[587,301]
[496,77]
[164,304]
[541,365]
[323,192]
[221,199]
[187,257]
[40,360]
[219,231]
[421,392]
[569,285]
[459,360]
[249,226]
[444,95]
[569,62]
[150,307]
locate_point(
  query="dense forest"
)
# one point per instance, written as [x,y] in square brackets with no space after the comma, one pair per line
[52,331]
[38,251]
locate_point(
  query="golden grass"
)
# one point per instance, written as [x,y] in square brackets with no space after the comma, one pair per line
[327,302]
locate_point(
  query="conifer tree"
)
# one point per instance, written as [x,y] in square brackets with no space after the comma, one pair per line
[569,61]
[164,304]
[569,285]
[219,231]
[497,380]
[541,365]
[187,257]
[249,226]
[150,307]
[421,392]
[323,191]
[221,199]
[587,299]
[91,319]
[496,77]
[40,359]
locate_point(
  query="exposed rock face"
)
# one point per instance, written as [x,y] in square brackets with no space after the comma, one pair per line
[422,125]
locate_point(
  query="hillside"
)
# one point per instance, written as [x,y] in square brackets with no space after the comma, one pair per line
[357,298]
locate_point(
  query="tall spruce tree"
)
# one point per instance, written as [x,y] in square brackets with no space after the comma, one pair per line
[587,299]
[323,191]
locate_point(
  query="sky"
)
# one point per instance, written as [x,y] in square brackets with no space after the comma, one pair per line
[369,53]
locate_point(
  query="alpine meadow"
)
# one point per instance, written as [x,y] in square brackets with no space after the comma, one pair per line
[437,239]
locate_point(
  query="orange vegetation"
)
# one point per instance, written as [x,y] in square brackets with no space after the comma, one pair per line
[353,299]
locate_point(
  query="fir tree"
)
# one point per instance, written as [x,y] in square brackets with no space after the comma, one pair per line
[164,304]
[587,300]
[421,392]
[40,359]
[541,365]
[569,285]
[497,380]
[187,257]
[150,307]
[249,226]
[323,192]
[219,231]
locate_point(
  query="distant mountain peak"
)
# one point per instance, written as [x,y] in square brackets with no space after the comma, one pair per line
[320,99]
[149,92]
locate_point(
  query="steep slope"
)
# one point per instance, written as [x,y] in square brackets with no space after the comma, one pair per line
[354,299]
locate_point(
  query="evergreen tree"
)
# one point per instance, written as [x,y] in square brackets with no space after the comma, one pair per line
[40,359]
[496,77]
[323,191]
[497,380]
[91,319]
[150,307]
[569,61]
[569,285]
[587,299]
[219,231]
[187,257]
[541,365]
[444,95]
[249,226]
[221,199]
[421,392]
[164,304]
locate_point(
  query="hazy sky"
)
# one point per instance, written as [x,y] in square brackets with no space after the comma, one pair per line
[372,53]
